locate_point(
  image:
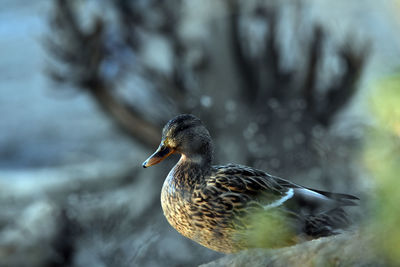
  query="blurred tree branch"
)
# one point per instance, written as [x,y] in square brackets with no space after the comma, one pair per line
[340,93]
[285,105]
[267,64]
[84,51]
[181,57]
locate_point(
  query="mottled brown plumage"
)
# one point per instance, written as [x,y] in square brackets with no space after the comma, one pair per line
[220,206]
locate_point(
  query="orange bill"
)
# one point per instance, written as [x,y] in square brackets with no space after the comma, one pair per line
[161,153]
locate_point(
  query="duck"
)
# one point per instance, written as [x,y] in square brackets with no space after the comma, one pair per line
[229,208]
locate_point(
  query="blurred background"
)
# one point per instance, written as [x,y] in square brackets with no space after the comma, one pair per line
[307,90]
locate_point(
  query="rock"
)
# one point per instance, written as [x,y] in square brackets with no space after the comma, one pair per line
[341,250]
[27,239]
[102,215]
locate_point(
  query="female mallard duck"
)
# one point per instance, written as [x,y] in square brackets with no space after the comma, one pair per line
[232,207]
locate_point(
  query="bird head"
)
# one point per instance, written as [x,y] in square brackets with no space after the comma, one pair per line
[186,135]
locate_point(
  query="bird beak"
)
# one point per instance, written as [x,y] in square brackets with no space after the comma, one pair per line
[161,153]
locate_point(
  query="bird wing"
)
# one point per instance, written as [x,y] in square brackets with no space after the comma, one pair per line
[244,186]
[235,195]
[240,189]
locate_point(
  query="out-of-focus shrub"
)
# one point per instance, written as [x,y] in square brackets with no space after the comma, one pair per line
[382,158]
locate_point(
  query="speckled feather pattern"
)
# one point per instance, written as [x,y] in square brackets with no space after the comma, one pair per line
[212,204]
[209,207]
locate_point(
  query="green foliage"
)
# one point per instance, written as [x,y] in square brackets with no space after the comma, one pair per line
[268,230]
[382,158]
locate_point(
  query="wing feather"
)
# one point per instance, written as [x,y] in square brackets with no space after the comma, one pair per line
[245,184]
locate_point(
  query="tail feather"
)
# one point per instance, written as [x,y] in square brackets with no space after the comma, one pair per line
[343,199]
[327,223]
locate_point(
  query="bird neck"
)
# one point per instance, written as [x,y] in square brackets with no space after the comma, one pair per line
[196,161]
[190,171]
[201,156]
[187,173]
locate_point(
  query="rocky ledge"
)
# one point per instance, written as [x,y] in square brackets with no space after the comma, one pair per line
[346,249]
